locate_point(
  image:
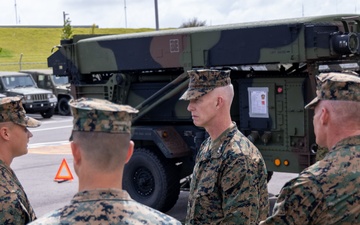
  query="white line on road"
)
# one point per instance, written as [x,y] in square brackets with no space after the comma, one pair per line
[51,128]
[47,144]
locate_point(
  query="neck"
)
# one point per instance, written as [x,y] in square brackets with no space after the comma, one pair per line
[218,127]
[6,158]
[105,180]
[340,135]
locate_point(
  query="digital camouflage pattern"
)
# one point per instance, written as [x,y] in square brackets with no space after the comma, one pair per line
[229,182]
[98,115]
[327,192]
[105,206]
[336,86]
[15,207]
[321,153]
[12,110]
[204,81]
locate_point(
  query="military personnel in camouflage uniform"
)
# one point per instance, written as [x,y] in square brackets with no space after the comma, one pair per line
[228,184]
[15,207]
[328,192]
[101,146]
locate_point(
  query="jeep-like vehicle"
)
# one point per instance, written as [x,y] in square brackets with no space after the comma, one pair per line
[35,100]
[60,86]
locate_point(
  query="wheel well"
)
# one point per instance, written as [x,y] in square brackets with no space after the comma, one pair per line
[152,179]
[63,96]
[148,145]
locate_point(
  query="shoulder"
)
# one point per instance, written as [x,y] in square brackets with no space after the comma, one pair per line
[50,218]
[241,148]
[303,186]
[152,216]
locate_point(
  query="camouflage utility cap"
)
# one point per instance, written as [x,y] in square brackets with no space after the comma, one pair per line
[204,81]
[336,86]
[12,110]
[97,115]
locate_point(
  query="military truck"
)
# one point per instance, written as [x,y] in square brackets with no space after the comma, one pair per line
[60,86]
[35,100]
[273,67]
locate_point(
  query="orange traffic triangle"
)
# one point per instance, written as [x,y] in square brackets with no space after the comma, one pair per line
[59,176]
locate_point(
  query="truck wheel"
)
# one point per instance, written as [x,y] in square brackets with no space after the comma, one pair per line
[151,179]
[63,107]
[48,113]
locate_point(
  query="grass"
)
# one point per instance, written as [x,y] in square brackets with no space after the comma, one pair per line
[32,46]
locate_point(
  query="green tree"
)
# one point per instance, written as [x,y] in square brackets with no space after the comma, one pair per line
[67,30]
[194,22]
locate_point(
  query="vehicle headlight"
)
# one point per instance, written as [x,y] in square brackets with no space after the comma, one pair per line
[52,98]
[28,97]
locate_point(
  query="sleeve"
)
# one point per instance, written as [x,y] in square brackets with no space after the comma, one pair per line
[11,211]
[296,203]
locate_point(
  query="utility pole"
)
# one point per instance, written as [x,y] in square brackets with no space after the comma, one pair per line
[302,8]
[125,14]
[64,16]
[156,15]
[16,18]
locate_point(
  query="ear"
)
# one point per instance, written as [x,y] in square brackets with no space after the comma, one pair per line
[5,133]
[76,153]
[130,151]
[219,101]
[325,116]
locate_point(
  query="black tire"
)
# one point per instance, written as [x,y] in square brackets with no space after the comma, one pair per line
[152,180]
[63,107]
[48,113]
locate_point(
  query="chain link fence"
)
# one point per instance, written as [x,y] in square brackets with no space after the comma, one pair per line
[17,66]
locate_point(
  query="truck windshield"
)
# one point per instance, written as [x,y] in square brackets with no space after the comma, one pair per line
[18,81]
[60,80]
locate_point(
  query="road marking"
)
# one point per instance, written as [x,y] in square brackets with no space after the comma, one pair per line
[51,128]
[48,144]
[57,121]
[50,148]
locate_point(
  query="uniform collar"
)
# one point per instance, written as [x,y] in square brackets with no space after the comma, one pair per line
[104,194]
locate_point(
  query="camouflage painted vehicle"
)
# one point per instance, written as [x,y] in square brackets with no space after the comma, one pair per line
[60,86]
[273,67]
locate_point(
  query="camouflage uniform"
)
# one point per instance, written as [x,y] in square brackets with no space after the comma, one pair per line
[15,207]
[327,192]
[228,185]
[229,182]
[103,206]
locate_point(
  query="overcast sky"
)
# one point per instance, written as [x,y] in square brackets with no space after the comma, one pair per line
[171,13]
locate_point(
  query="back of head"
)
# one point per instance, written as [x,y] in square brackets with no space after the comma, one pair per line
[102,129]
[340,92]
[336,87]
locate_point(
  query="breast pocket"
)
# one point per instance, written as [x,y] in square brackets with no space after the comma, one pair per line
[207,197]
